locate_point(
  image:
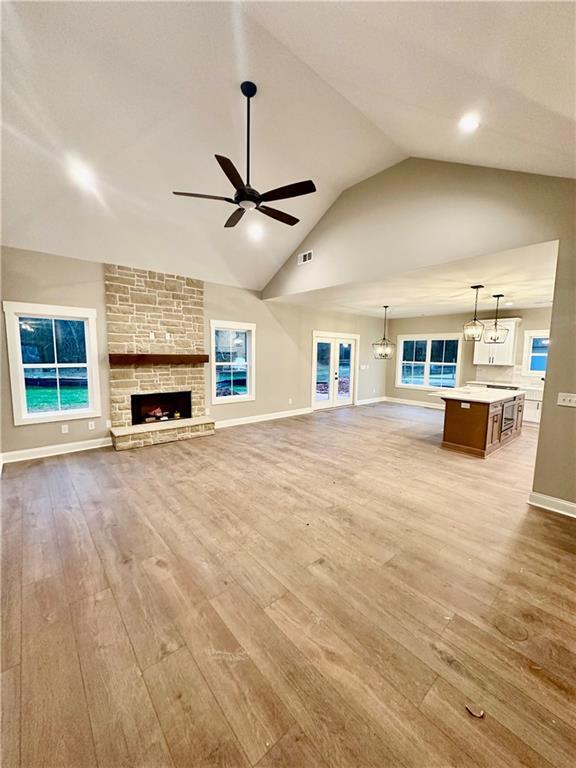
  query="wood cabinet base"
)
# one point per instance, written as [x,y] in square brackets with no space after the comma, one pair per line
[479,429]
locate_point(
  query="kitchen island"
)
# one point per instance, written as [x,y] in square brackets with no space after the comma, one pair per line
[480,421]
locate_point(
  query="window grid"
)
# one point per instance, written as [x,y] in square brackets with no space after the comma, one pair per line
[232,361]
[428,363]
[55,366]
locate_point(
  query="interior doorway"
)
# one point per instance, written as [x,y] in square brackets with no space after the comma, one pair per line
[334,362]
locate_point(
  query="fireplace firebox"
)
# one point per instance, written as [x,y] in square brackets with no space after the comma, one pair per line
[161,406]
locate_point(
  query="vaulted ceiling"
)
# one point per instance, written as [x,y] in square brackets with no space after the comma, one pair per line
[147,93]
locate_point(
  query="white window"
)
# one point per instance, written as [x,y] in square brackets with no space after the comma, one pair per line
[535,352]
[53,357]
[232,354]
[428,361]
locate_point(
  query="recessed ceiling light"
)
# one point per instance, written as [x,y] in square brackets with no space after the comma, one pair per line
[469,122]
[82,175]
[256,231]
[508,303]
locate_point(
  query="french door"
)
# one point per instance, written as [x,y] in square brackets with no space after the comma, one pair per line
[333,371]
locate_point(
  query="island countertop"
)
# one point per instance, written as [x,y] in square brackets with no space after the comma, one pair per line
[478,394]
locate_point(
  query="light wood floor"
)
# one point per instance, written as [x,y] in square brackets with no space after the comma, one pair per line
[318,592]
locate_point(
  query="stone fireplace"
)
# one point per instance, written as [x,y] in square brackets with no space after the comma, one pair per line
[155,328]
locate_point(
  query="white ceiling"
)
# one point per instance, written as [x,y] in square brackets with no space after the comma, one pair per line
[524,275]
[147,93]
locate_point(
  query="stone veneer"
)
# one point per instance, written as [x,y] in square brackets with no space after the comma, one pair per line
[140,302]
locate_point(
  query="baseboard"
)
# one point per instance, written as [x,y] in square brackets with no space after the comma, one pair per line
[401,401]
[224,423]
[551,503]
[55,450]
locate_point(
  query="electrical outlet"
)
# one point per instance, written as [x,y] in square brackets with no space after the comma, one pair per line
[168,336]
[64,429]
[91,425]
[289,401]
[108,423]
[207,411]
[567,398]
[152,337]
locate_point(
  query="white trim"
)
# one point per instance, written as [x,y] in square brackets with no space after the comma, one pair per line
[251,362]
[428,338]
[335,336]
[55,450]
[224,423]
[15,309]
[551,503]
[370,400]
[527,353]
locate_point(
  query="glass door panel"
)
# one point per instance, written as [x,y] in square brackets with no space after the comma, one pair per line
[322,394]
[333,372]
[344,373]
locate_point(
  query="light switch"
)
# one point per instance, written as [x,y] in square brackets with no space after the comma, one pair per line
[567,398]
[64,429]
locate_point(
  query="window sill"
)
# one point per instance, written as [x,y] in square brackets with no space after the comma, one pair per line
[233,399]
[424,387]
[48,418]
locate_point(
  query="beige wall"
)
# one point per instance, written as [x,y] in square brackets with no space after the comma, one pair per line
[532,319]
[46,279]
[423,212]
[284,349]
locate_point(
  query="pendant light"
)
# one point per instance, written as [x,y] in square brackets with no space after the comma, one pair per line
[384,349]
[494,333]
[474,329]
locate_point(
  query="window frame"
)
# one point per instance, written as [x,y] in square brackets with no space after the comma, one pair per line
[13,310]
[527,352]
[232,325]
[428,338]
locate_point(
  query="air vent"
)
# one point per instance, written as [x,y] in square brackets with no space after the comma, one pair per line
[304,258]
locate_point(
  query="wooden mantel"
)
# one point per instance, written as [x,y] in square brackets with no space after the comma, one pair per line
[156,359]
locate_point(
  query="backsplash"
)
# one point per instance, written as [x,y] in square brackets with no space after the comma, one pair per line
[507,375]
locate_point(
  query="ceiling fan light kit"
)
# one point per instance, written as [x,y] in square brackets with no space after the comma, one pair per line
[384,348]
[474,329]
[247,198]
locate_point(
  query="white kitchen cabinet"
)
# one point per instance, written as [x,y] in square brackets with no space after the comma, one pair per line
[532,411]
[498,354]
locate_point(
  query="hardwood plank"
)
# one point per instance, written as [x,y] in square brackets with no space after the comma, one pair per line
[339,731]
[197,734]
[55,725]
[147,619]
[293,750]
[257,716]
[124,723]
[490,744]
[40,555]
[10,717]
[412,738]
[429,585]
[11,591]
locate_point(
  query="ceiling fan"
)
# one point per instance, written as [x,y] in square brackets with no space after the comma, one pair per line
[246,197]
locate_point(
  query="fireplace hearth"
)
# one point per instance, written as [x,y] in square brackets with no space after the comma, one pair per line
[161,406]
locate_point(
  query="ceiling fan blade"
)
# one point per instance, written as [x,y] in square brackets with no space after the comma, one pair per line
[206,197]
[290,190]
[285,218]
[230,170]
[235,217]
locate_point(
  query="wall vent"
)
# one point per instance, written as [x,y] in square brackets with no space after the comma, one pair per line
[304,258]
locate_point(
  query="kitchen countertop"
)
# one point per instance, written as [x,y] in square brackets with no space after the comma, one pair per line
[477,394]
